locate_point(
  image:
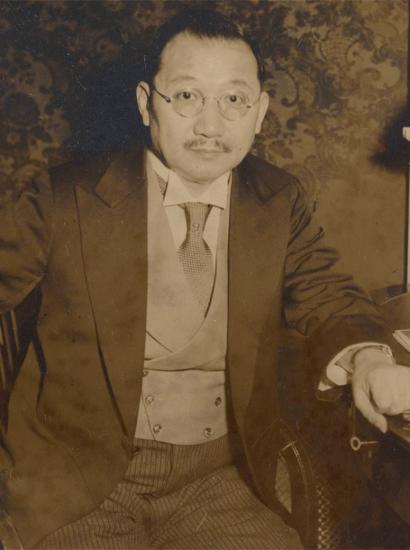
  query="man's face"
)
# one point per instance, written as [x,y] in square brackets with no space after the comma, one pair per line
[201,148]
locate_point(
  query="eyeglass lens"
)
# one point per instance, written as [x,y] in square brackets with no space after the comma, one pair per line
[232,106]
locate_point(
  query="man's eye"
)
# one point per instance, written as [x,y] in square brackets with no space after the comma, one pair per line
[235,99]
[185,95]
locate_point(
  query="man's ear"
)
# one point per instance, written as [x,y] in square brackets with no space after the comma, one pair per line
[263,107]
[143,94]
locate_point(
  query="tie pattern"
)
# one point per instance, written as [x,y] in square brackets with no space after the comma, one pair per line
[195,255]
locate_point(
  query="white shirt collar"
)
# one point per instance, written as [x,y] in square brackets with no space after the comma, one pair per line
[177,193]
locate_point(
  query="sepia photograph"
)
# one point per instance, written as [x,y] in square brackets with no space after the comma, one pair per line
[204,274]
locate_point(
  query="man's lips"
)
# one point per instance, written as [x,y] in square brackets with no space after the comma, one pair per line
[205,150]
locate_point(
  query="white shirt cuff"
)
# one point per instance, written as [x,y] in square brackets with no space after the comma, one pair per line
[338,372]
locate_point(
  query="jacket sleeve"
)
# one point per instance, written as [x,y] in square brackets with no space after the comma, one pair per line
[326,306]
[25,239]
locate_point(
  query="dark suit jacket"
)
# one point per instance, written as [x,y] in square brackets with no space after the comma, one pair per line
[79,235]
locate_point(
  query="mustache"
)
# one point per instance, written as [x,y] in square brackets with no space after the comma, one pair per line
[213,145]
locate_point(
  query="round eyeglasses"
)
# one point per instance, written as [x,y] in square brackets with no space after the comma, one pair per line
[232,105]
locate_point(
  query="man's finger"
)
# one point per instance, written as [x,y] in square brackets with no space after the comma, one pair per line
[365,406]
[381,396]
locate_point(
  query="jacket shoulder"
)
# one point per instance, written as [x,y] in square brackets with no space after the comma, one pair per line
[84,172]
[266,179]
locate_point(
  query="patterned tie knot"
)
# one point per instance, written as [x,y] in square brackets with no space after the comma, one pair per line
[196,215]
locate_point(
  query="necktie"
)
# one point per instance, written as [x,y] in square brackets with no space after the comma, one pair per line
[195,254]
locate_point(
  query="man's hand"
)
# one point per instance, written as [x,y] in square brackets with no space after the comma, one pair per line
[379,387]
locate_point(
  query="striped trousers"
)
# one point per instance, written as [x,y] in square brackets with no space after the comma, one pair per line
[178,497]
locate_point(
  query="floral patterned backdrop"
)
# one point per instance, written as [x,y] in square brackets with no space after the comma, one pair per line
[337,78]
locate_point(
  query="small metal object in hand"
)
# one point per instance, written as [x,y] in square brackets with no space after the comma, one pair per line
[355,442]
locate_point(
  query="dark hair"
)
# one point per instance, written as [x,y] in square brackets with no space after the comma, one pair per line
[198,22]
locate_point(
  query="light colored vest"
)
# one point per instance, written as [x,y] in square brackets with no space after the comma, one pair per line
[183,391]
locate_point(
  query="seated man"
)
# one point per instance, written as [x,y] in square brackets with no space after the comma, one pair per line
[145,410]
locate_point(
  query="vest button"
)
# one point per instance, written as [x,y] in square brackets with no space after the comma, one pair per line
[218,401]
[149,399]
[135,450]
[208,432]
[144,373]
[157,428]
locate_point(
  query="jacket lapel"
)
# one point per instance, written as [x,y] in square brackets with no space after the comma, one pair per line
[257,244]
[113,221]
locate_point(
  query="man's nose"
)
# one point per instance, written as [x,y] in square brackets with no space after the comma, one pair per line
[209,123]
